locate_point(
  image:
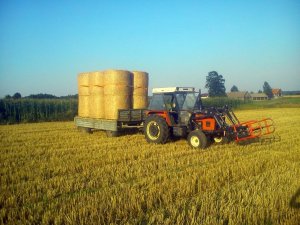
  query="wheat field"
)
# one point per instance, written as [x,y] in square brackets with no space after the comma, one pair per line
[53,174]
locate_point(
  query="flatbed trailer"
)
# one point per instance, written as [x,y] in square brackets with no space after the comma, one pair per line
[127,119]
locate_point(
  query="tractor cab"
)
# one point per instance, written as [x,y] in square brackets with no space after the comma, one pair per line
[175,104]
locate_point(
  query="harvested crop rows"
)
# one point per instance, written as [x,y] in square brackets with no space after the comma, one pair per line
[52,174]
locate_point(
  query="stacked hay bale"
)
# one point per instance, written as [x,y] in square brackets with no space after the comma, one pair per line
[96,102]
[117,92]
[83,94]
[102,94]
[140,90]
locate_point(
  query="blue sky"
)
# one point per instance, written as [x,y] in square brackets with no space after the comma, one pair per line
[45,44]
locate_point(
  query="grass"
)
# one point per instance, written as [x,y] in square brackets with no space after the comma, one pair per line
[283,102]
[286,102]
[52,174]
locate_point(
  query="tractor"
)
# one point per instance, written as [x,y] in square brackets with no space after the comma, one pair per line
[179,112]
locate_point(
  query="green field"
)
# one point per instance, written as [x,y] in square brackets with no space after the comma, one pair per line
[53,174]
[283,102]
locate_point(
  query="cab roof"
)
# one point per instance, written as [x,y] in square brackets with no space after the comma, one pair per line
[172,89]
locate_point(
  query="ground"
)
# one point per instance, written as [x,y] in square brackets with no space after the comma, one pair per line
[52,174]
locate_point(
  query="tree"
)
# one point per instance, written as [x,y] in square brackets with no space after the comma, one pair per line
[268,90]
[17,95]
[7,97]
[215,84]
[234,89]
[260,91]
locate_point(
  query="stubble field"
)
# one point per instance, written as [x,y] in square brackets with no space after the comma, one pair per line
[52,174]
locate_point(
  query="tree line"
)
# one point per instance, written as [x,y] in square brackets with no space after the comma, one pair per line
[215,83]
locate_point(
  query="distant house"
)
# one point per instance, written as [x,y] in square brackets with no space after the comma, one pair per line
[277,92]
[240,95]
[204,95]
[259,96]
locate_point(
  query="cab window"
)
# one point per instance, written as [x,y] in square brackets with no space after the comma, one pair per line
[157,102]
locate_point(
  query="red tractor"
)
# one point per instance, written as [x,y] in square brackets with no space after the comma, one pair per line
[179,112]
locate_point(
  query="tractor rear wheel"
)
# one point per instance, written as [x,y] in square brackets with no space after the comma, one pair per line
[156,129]
[197,139]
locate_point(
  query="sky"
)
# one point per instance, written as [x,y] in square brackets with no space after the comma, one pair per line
[45,44]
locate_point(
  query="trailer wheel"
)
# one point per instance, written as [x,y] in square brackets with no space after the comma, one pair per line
[110,133]
[221,140]
[156,129]
[197,139]
[85,130]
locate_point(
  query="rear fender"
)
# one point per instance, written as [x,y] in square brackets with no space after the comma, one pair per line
[163,113]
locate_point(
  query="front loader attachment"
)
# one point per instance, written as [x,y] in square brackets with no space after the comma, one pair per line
[240,131]
[253,129]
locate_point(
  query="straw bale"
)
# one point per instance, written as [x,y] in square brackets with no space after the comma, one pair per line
[96,90]
[96,79]
[83,105]
[139,102]
[140,79]
[117,90]
[83,90]
[83,79]
[117,77]
[140,91]
[114,102]
[96,106]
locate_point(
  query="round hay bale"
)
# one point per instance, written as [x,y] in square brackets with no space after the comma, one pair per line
[139,102]
[96,90]
[117,90]
[117,77]
[83,79]
[140,91]
[114,102]
[83,105]
[96,106]
[96,79]
[83,90]
[140,79]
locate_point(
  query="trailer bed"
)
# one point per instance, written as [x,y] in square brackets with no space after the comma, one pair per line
[100,124]
[127,118]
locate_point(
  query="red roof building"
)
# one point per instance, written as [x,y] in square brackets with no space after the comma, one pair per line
[276,92]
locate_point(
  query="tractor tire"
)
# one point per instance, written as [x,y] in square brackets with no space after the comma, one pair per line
[197,139]
[221,140]
[156,130]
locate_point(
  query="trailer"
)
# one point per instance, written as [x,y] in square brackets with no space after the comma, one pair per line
[128,119]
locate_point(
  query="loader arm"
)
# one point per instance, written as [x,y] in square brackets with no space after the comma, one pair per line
[245,130]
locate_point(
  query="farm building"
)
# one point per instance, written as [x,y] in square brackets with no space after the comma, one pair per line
[204,95]
[259,96]
[277,92]
[240,95]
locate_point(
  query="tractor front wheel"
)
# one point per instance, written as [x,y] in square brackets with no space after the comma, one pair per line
[156,129]
[221,140]
[197,139]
